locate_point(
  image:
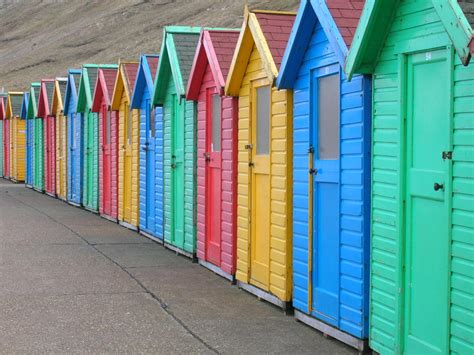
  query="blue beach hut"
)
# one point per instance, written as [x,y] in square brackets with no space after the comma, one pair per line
[74,139]
[331,192]
[151,149]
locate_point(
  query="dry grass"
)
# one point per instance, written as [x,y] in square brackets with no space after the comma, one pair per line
[42,39]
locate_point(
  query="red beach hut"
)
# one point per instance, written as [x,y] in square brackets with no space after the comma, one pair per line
[217,151]
[49,124]
[108,142]
[6,137]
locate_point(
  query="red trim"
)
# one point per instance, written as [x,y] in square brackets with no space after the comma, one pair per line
[43,104]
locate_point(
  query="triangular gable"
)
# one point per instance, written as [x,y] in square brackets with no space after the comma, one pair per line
[24,105]
[269,31]
[124,82]
[145,78]
[216,48]
[338,20]
[176,58]
[58,96]
[45,98]
[3,98]
[33,101]
[104,87]
[376,20]
[86,87]
[73,79]
[14,101]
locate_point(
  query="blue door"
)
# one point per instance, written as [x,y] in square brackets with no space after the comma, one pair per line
[325,142]
[29,151]
[75,149]
[150,167]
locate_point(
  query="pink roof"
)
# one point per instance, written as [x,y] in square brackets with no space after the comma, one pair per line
[346,15]
[109,76]
[224,43]
[131,70]
[153,65]
[2,107]
[276,28]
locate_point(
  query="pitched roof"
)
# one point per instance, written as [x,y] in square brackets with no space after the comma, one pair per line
[2,105]
[45,98]
[276,29]
[72,87]
[24,104]
[268,32]
[104,87]
[346,15]
[215,48]
[185,44]
[15,99]
[145,78]
[152,61]
[60,85]
[467,7]
[124,82]
[33,101]
[130,71]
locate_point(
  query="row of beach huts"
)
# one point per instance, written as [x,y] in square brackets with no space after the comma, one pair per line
[324,160]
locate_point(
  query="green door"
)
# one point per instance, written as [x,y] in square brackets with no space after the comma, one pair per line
[427,203]
[90,169]
[177,165]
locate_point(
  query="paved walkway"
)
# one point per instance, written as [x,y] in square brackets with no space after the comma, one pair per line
[71,281]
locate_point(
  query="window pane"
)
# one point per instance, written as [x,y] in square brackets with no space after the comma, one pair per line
[129,125]
[152,123]
[328,117]
[216,123]
[263,120]
[107,128]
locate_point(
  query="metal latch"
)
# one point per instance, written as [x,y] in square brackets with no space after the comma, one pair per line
[447,155]
[249,146]
[313,171]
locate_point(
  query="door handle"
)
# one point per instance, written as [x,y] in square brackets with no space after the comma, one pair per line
[438,186]
[248,146]
[313,171]
[207,157]
[173,166]
[144,149]
[251,164]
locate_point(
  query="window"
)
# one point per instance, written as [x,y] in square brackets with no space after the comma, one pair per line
[216,123]
[128,119]
[263,120]
[107,127]
[152,123]
[328,117]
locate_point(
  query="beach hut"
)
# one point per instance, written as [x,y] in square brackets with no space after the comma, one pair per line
[2,142]
[38,145]
[6,137]
[74,139]
[49,134]
[179,124]
[24,116]
[151,150]
[129,141]
[264,172]
[422,230]
[17,137]
[331,172]
[108,142]
[216,151]
[60,85]
[30,133]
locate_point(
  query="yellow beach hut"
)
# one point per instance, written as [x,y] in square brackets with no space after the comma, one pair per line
[60,85]
[17,137]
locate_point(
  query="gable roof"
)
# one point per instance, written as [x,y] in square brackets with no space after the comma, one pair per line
[269,31]
[72,87]
[24,105]
[145,78]
[176,58]
[86,86]
[14,101]
[46,98]
[3,98]
[375,23]
[104,87]
[33,101]
[338,20]
[216,48]
[125,81]
[60,85]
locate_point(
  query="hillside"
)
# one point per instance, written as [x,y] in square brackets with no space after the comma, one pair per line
[42,39]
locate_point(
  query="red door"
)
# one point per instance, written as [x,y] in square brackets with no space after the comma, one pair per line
[106,162]
[6,148]
[213,177]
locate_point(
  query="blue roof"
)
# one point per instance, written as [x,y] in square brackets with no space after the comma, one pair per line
[71,88]
[24,105]
[309,14]
[144,79]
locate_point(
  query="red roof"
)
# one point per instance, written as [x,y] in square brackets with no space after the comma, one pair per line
[346,14]
[224,43]
[276,28]
[153,65]
[109,76]
[131,70]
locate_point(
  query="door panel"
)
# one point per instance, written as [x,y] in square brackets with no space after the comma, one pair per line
[127,192]
[177,158]
[150,166]
[427,229]
[325,138]
[260,182]
[213,175]
[106,163]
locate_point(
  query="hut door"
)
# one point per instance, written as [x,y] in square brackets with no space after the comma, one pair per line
[60,152]
[150,166]
[325,140]
[47,145]
[260,184]
[51,154]
[428,172]
[6,148]
[213,175]
[127,178]
[106,162]
[90,134]
[177,165]
[75,165]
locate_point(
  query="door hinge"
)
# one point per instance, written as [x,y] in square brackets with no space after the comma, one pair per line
[310,149]
[248,146]
[447,155]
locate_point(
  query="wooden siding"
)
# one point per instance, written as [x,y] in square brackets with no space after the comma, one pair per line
[1,148]
[416,26]
[61,154]
[227,219]
[281,183]
[18,143]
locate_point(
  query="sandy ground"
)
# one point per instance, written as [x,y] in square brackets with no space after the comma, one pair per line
[42,39]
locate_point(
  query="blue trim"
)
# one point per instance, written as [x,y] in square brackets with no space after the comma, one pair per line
[24,105]
[143,78]
[70,89]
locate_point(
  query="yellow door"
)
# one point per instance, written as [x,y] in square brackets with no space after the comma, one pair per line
[127,176]
[260,184]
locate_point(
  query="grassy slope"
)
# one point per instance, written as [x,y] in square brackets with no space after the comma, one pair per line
[42,39]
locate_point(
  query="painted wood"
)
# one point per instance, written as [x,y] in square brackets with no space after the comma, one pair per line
[2,133]
[406,207]
[264,211]
[60,85]
[17,137]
